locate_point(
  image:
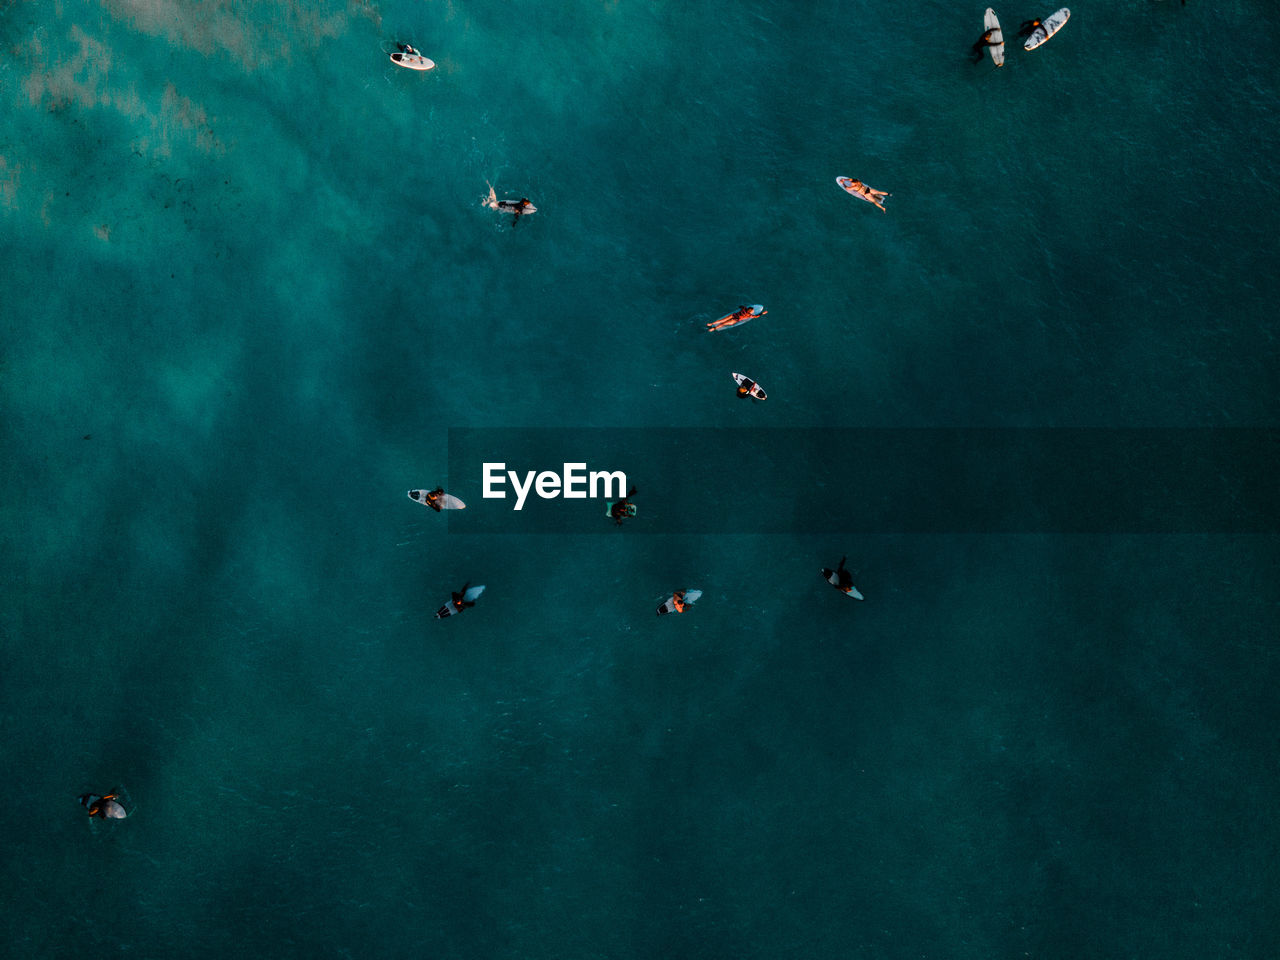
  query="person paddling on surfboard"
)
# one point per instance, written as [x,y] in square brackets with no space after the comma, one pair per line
[622,508]
[980,47]
[677,601]
[747,385]
[432,498]
[1028,27]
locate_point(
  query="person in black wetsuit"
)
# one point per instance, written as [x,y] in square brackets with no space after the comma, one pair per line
[621,508]
[980,47]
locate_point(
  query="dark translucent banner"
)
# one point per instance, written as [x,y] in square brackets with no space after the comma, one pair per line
[701,481]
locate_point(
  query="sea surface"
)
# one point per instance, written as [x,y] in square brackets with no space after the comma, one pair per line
[247,289]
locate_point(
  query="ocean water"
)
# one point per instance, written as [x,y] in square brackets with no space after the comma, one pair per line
[247,290]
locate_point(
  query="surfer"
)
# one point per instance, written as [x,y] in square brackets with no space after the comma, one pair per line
[1028,27]
[432,498]
[745,388]
[743,313]
[677,601]
[842,580]
[622,508]
[980,47]
[407,49]
[860,189]
[459,598]
[106,807]
[520,208]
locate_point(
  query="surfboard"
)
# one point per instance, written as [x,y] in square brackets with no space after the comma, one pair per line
[1050,25]
[669,605]
[756,390]
[445,502]
[450,608]
[833,578]
[757,310]
[608,509]
[991,22]
[412,61]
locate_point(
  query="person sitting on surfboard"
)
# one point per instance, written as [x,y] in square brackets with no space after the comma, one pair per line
[980,47]
[459,598]
[845,584]
[1028,27]
[407,49]
[106,807]
[622,508]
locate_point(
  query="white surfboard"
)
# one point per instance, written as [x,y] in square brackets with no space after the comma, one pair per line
[444,502]
[450,608]
[411,59]
[1048,27]
[755,390]
[992,23]
[757,310]
[833,577]
[669,605]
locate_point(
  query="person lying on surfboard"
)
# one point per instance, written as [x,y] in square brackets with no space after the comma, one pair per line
[741,315]
[621,508]
[677,601]
[747,385]
[862,191]
[1028,27]
[980,47]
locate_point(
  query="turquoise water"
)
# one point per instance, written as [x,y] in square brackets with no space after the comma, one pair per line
[249,287]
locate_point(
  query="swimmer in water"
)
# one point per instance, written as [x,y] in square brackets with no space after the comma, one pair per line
[980,47]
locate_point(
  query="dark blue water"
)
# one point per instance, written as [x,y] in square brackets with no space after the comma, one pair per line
[248,287]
